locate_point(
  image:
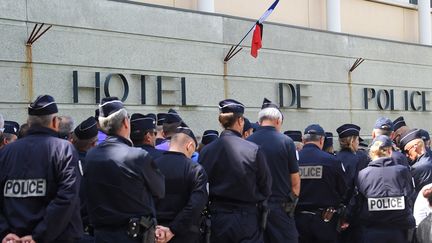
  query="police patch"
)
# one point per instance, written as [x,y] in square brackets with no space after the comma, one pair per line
[25,188]
[386,203]
[311,172]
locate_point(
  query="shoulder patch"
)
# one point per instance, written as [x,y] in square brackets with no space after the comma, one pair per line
[311,172]
[25,188]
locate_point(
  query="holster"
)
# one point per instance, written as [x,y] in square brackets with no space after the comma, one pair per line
[205,228]
[143,228]
[263,215]
[290,206]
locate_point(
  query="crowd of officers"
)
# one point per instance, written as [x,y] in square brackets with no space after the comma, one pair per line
[145,178]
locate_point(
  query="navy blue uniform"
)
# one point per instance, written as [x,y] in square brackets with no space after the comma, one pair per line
[421,171]
[154,152]
[185,196]
[400,158]
[239,179]
[323,186]
[385,189]
[120,183]
[281,158]
[40,188]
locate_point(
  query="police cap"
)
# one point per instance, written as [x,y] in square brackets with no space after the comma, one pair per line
[328,141]
[268,104]
[209,136]
[231,106]
[384,123]
[424,135]
[247,125]
[314,129]
[398,123]
[143,122]
[294,135]
[161,118]
[43,105]
[11,127]
[110,105]
[347,130]
[87,129]
[382,141]
[183,128]
[408,136]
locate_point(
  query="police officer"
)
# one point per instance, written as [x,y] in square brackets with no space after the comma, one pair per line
[323,187]
[328,143]
[247,128]
[10,133]
[399,127]
[349,140]
[384,126]
[85,137]
[385,189]
[426,139]
[239,179]
[280,153]
[143,133]
[421,162]
[40,182]
[296,136]
[185,187]
[208,137]
[170,123]
[120,181]
[159,128]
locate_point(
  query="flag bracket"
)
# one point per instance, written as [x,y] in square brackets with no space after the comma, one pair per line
[35,35]
[356,64]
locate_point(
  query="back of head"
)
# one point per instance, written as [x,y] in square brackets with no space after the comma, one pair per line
[230,111]
[111,115]
[42,111]
[380,147]
[269,111]
[66,126]
[427,193]
[85,134]
[314,133]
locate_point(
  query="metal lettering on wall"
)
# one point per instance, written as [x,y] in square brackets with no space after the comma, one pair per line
[385,99]
[162,91]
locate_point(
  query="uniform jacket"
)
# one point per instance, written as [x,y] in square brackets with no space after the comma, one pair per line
[154,152]
[323,179]
[120,182]
[381,186]
[236,169]
[281,158]
[421,171]
[185,193]
[40,182]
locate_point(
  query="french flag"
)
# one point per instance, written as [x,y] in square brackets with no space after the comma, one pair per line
[258,31]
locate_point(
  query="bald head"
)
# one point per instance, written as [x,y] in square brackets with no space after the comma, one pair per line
[182,143]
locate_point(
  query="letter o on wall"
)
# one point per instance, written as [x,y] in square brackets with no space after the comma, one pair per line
[125,85]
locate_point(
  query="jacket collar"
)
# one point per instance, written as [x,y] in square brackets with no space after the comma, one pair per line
[42,130]
[119,139]
[229,132]
[382,162]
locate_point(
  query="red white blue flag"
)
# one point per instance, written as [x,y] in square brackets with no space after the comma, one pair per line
[258,31]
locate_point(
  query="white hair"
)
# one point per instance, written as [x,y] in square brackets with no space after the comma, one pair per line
[269,114]
[112,123]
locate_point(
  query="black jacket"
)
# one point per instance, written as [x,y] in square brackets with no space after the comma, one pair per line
[40,182]
[186,193]
[120,182]
[237,169]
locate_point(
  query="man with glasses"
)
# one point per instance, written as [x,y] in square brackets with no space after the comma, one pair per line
[414,148]
[40,182]
[143,133]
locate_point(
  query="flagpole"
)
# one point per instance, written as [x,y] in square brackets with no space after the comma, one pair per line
[232,50]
